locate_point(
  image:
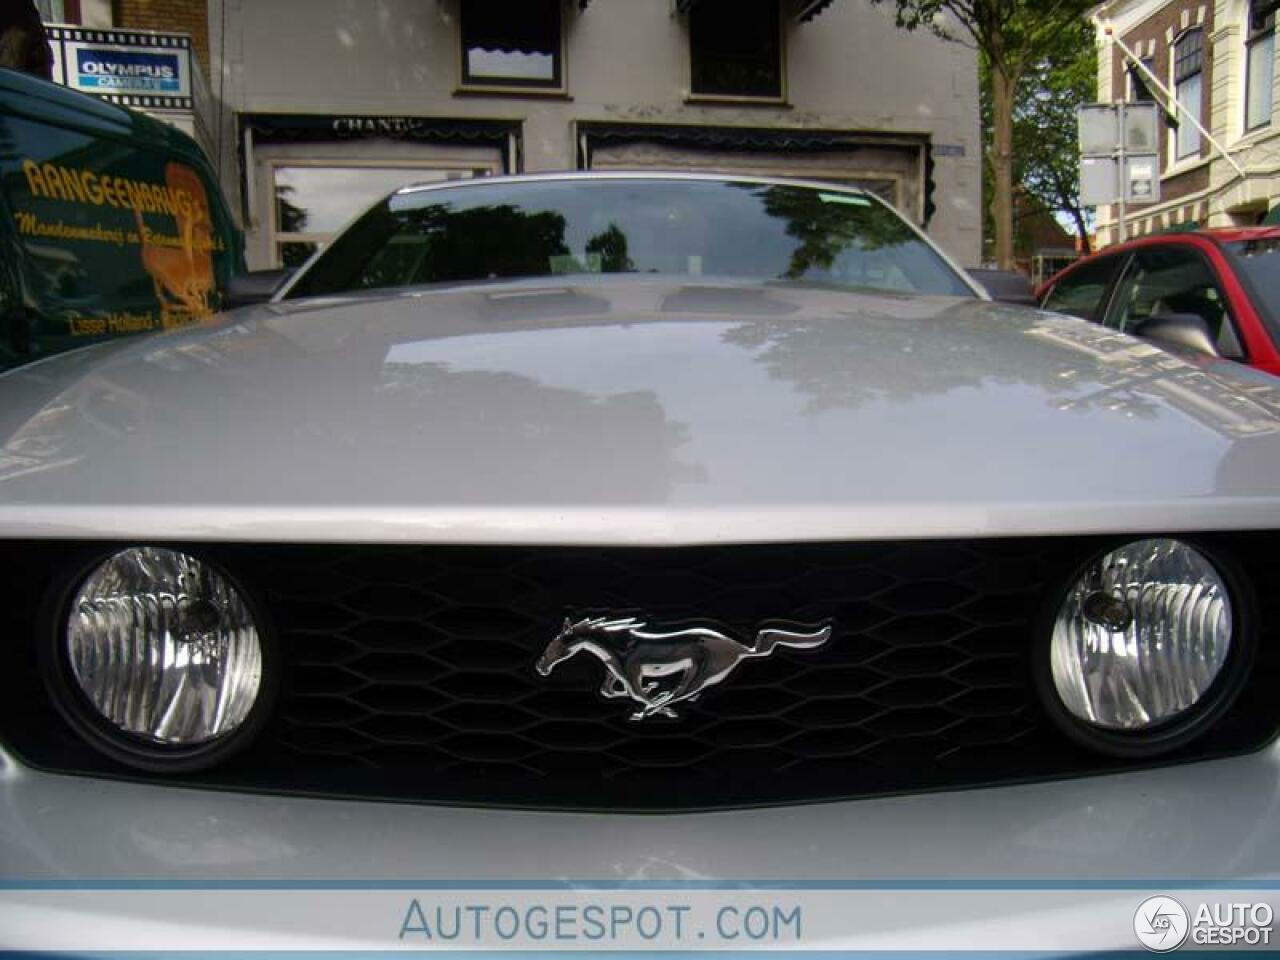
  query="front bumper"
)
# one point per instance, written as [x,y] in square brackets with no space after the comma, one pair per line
[1211,824]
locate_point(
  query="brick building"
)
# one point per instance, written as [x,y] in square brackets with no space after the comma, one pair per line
[166,16]
[181,16]
[168,36]
[1218,58]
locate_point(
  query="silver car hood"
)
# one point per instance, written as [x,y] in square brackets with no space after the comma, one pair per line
[632,412]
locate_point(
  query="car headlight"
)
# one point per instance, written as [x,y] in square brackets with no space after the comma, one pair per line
[1141,645]
[163,658]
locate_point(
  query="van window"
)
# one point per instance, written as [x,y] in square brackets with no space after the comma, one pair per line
[111,238]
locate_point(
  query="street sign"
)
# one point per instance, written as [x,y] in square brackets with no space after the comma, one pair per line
[1142,178]
[1105,127]
[1099,129]
[1098,176]
[1141,128]
[1102,181]
[1119,163]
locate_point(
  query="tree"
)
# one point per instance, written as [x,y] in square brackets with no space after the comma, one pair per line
[1045,141]
[1013,37]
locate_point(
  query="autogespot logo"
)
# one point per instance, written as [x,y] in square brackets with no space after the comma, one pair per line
[1161,924]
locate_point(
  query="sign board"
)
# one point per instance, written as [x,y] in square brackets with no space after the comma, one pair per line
[1141,128]
[1102,182]
[1142,178]
[133,67]
[1099,129]
[1105,127]
[1099,181]
[1118,153]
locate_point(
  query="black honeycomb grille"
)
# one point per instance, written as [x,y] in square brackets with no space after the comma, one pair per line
[408,674]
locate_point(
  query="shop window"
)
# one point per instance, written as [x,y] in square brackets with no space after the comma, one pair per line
[1188,85]
[736,49]
[508,44]
[1261,65]
[312,203]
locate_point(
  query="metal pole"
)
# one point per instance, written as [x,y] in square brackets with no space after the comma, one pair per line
[1121,156]
[1124,177]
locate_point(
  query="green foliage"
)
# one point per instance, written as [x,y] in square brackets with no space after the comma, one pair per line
[1045,140]
[1045,143]
[1042,53]
[826,230]
[1012,34]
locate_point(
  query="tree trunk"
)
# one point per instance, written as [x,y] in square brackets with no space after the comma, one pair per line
[1002,90]
[1082,230]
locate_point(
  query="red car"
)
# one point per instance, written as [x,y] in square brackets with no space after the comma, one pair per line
[1214,292]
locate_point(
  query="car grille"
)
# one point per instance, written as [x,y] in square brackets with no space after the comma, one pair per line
[408,672]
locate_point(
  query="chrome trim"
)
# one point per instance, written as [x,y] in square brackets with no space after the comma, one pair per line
[659,670]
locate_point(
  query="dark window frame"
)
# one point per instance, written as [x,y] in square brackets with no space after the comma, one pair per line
[1140,90]
[1188,54]
[702,17]
[1188,62]
[1260,26]
[468,81]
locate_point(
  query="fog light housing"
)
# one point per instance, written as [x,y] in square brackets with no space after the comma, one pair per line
[161,659]
[1144,649]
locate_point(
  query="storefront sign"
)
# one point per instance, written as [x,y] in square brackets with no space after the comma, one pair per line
[115,70]
[139,68]
[318,127]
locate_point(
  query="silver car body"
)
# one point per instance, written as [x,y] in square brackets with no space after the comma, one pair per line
[640,412]
[634,412]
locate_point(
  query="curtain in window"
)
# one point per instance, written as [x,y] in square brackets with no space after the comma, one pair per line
[1261,70]
[1188,76]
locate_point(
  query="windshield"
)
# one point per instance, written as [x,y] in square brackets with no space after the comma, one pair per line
[668,227]
[1258,263]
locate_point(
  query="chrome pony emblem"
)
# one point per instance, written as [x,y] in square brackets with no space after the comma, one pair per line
[660,670]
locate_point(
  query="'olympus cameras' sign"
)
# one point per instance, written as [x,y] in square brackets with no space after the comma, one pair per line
[139,68]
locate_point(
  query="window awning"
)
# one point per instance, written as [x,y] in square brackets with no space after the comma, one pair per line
[801,10]
[320,128]
[776,139]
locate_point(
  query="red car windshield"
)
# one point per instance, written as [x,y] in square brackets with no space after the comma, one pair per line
[1258,263]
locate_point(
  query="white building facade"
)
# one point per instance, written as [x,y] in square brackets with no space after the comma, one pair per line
[1218,57]
[327,104]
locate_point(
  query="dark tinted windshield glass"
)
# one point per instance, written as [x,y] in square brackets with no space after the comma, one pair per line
[1259,263]
[670,227]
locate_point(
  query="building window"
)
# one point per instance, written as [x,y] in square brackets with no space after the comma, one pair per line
[736,49]
[1188,86]
[1139,88]
[1260,86]
[512,44]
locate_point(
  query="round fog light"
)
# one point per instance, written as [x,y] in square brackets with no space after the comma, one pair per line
[164,649]
[1141,638]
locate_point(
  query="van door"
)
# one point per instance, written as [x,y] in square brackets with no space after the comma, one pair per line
[112,236]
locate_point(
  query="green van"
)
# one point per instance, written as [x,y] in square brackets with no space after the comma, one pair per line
[111,223]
